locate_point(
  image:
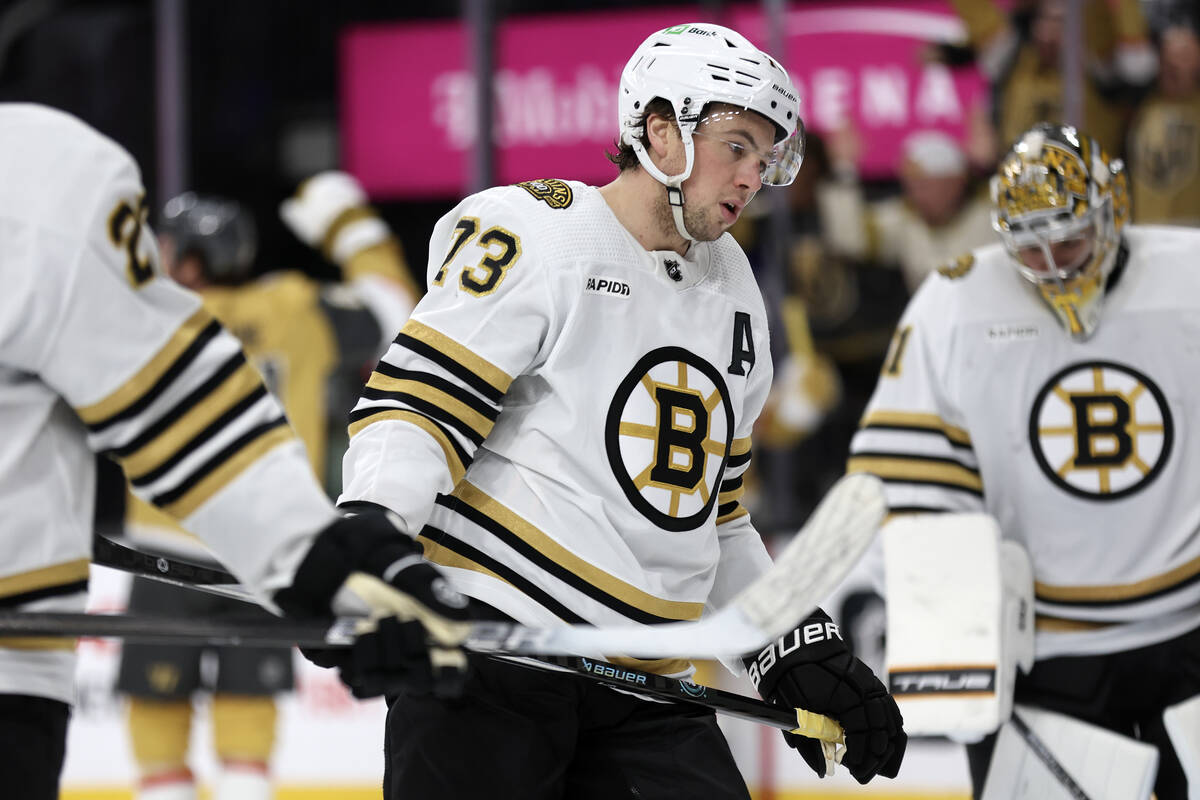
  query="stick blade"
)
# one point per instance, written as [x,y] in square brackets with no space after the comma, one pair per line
[818,558]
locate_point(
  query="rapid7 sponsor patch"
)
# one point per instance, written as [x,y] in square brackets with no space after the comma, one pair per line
[606,286]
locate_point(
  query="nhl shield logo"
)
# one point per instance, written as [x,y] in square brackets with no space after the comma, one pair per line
[552,192]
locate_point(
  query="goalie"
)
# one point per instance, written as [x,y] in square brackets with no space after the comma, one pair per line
[1047,382]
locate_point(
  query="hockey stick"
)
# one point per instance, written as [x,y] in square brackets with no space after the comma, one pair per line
[261,632]
[731,704]
[804,573]
[1047,758]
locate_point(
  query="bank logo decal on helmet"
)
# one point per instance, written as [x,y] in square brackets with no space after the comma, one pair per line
[693,65]
[1057,192]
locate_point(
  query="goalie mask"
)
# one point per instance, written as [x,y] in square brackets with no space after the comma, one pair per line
[1059,204]
[693,65]
[220,232]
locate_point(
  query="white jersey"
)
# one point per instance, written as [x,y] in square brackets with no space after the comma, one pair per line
[99,353]
[566,417]
[1082,450]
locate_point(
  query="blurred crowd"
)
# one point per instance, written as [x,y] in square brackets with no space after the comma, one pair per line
[857,249]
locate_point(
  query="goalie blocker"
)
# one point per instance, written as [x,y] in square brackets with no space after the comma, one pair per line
[959,622]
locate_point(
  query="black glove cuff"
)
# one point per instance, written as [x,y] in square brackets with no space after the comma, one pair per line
[369,543]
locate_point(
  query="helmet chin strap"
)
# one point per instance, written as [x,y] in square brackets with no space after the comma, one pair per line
[673,183]
[675,200]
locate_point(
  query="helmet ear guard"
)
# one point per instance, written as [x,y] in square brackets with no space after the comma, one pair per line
[692,66]
[1053,188]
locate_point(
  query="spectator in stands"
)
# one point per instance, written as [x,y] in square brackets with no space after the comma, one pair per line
[939,215]
[1164,140]
[1022,56]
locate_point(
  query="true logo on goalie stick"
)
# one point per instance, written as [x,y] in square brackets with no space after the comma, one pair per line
[668,435]
[1101,430]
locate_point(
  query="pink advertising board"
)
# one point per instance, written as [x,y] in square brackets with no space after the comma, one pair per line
[407,119]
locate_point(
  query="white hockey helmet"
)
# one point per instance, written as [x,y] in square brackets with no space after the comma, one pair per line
[1059,204]
[696,64]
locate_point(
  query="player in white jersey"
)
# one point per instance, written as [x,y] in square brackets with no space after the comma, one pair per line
[101,354]
[564,423]
[1049,380]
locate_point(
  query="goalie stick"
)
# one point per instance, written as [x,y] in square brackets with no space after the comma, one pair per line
[803,574]
[259,632]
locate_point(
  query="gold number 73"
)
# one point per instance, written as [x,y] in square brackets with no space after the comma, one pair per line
[501,249]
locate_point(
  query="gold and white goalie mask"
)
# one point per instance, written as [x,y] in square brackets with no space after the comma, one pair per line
[1059,206]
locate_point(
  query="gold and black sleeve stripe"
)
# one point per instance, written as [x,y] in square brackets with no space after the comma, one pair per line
[729,500]
[434,397]
[917,423]
[486,379]
[137,393]
[55,580]
[918,469]
[211,476]
[215,414]
[457,412]
[739,454]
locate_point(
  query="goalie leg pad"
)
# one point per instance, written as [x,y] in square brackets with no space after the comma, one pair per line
[1183,727]
[1101,764]
[959,622]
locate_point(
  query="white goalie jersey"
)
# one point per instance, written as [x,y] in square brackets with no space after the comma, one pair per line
[565,419]
[1081,449]
[100,354]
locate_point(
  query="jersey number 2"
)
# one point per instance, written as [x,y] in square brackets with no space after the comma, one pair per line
[125,225]
[501,249]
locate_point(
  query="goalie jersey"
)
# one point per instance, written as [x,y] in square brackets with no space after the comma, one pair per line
[565,419]
[1081,449]
[100,354]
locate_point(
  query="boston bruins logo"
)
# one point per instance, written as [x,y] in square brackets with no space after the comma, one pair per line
[1101,430]
[668,434]
[552,192]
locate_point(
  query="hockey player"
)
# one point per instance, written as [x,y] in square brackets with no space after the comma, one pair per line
[296,331]
[1045,381]
[564,423]
[99,353]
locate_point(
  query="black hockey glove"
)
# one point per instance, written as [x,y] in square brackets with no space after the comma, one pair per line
[812,668]
[415,620]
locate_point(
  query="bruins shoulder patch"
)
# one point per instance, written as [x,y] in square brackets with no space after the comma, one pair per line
[957,267]
[552,192]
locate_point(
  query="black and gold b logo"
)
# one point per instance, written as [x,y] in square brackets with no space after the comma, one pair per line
[668,434]
[1101,430]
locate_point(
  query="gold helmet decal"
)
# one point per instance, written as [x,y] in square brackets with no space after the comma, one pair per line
[1059,204]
